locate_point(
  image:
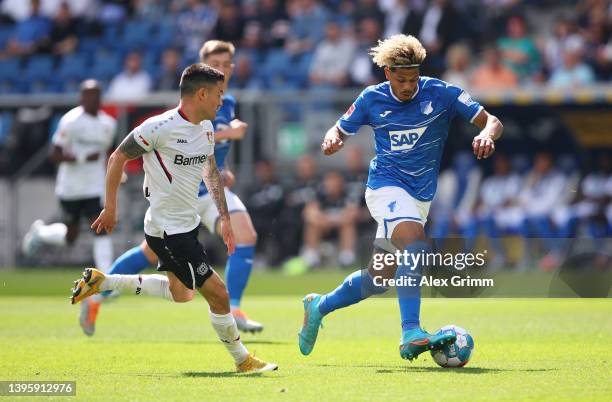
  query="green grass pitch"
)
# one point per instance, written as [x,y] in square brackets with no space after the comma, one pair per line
[152,350]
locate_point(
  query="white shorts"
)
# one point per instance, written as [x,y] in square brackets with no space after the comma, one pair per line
[208,211]
[392,205]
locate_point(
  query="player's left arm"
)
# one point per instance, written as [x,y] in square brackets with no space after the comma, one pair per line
[236,131]
[491,129]
[214,184]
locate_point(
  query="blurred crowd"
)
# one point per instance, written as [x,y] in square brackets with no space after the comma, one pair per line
[138,46]
[542,201]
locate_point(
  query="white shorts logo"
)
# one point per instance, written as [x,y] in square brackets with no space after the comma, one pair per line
[405,139]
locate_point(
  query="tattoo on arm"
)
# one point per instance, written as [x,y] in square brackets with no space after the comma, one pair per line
[214,184]
[131,148]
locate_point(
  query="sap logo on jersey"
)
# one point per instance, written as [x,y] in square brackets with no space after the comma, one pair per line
[405,139]
[188,161]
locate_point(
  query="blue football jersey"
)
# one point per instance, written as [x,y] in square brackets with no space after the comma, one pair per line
[409,136]
[222,121]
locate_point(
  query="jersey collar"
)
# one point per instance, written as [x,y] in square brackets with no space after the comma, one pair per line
[401,101]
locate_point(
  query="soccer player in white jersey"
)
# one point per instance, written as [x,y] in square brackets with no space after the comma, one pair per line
[177,148]
[217,54]
[411,115]
[80,145]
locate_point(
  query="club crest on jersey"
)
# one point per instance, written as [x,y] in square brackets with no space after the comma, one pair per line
[349,111]
[404,140]
[211,137]
[426,107]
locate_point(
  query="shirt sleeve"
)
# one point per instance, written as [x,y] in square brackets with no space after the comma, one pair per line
[355,117]
[146,136]
[462,104]
[61,137]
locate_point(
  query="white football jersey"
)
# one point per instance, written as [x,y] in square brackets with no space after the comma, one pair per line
[82,134]
[176,152]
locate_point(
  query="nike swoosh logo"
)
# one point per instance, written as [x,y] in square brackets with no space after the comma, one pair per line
[385,113]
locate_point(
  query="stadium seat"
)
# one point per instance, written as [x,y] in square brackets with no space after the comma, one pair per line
[5,33]
[6,122]
[38,74]
[105,66]
[136,35]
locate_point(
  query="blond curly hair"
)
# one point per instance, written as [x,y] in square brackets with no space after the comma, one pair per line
[398,50]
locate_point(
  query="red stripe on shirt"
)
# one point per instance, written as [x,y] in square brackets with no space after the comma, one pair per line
[161,162]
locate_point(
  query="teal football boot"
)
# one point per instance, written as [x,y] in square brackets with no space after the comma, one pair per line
[416,341]
[312,322]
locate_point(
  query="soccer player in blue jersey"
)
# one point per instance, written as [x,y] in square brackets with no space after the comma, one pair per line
[219,55]
[411,116]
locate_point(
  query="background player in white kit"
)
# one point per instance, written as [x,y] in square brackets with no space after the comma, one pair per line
[80,146]
[177,150]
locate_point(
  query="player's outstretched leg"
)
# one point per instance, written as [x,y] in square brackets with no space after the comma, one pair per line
[415,340]
[357,286]
[133,261]
[95,281]
[214,291]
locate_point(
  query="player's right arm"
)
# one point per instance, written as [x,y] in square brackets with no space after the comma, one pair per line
[350,122]
[128,149]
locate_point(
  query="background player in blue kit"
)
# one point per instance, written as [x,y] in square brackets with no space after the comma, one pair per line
[219,55]
[411,116]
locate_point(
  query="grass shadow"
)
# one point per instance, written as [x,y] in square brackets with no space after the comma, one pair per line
[386,369]
[224,374]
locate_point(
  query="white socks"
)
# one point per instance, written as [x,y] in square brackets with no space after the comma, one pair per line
[225,326]
[53,234]
[103,252]
[152,285]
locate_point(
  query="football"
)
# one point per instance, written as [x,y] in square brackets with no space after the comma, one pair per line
[456,354]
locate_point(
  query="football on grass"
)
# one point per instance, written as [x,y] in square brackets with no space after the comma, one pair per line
[455,354]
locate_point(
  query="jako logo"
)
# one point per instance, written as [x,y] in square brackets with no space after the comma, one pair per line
[188,161]
[405,139]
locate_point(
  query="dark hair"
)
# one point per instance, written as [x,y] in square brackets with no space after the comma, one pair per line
[198,75]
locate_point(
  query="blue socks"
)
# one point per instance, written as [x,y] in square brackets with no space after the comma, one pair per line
[356,287]
[131,262]
[409,297]
[237,272]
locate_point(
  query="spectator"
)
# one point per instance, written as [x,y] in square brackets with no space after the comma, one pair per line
[332,210]
[368,9]
[194,25]
[64,35]
[518,50]
[456,196]
[457,62]
[264,201]
[230,24]
[397,12]
[544,186]
[273,23]
[332,58]
[492,73]
[573,72]
[362,71]
[30,34]
[307,18]
[440,26]
[133,82]
[243,73]
[170,74]
[598,49]
[302,190]
[356,177]
[564,34]
[496,194]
